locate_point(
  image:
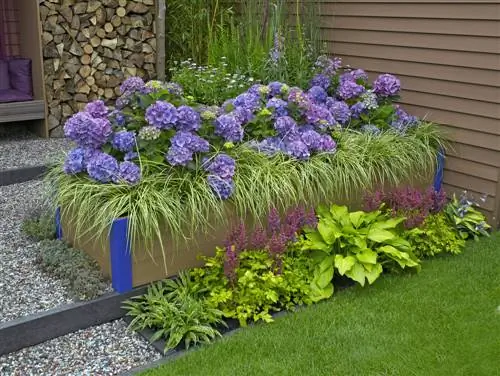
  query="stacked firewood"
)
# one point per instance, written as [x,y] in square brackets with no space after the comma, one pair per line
[90,47]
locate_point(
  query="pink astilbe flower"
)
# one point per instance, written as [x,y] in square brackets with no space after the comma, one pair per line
[259,238]
[231,263]
[273,221]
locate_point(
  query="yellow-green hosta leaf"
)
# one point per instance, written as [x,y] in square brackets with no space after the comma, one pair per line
[356,218]
[367,256]
[344,264]
[379,235]
[329,231]
[340,214]
[357,273]
[326,263]
[374,273]
[318,294]
[389,223]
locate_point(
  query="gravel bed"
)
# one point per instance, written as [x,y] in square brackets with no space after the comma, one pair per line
[103,350]
[24,149]
[24,289]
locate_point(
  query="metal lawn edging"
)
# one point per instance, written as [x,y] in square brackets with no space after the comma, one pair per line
[21,175]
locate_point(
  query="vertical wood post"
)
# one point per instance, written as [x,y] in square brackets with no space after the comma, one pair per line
[161,10]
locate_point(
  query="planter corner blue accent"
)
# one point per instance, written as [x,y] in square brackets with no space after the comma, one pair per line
[120,256]
[59,234]
[438,178]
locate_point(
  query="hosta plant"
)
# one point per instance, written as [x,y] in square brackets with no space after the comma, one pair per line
[467,220]
[177,312]
[357,244]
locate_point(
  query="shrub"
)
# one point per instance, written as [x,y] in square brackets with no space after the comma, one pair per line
[434,236]
[467,220]
[177,312]
[75,268]
[40,225]
[357,244]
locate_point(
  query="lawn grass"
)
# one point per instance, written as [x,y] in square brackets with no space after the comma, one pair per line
[443,321]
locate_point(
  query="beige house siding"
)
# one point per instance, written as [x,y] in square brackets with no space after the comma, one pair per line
[447,55]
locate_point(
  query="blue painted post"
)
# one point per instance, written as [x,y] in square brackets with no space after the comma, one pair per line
[59,234]
[120,256]
[438,178]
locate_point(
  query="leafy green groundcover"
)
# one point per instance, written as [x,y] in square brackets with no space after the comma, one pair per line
[442,321]
[182,199]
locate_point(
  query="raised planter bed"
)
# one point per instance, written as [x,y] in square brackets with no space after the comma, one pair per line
[129,268]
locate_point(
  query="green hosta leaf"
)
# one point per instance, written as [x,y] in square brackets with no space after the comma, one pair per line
[390,223]
[323,277]
[318,294]
[344,264]
[326,263]
[356,218]
[329,231]
[379,235]
[359,242]
[323,212]
[340,214]
[402,258]
[357,273]
[402,244]
[373,273]
[314,241]
[367,256]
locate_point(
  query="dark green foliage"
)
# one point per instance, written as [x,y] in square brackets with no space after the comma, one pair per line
[40,225]
[466,219]
[258,288]
[177,311]
[436,235]
[75,268]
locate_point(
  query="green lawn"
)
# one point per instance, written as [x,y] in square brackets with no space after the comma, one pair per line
[443,321]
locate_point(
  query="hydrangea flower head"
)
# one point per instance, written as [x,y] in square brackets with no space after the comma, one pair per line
[386,85]
[327,144]
[162,114]
[348,89]
[221,165]
[132,85]
[188,119]
[247,100]
[317,94]
[174,88]
[208,115]
[340,110]
[298,149]
[275,88]
[88,131]
[357,109]
[222,188]
[311,139]
[74,162]
[118,118]
[124,141]
[328,66]
[229,127]
[154,85]
[103,167]
[279,106]
[319,116]
[97,109]
[320,80]
[190,141]
[369,99]
[149,133]
[299,98]
[129,172]
[370,128]
[285,125]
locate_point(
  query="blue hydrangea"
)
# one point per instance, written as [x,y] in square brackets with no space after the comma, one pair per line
[403,120]
[311,139]
[258,90]
[247,100]
[131,155]
[357,109]
[103,167]
[275,88]
[340,110]
[174,88]
[88,131]
[285,125]
[320,80]
[319,116]
[122,102]
[162,114]
[386,85]
[190,141]
[74,162]
[132,85]
[348,89]
[278,106]
[97,109]
[129,172]
[179,156]
[124,141]
[327,144]
[188,119]
[298,149]
[299,98]
[328,66]
[221,165]
[229,126]
[370,128]
[244,115]
[118,118]
[317,94]
[222,188]
[369,99]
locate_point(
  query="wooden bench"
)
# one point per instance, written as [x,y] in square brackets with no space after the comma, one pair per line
[21,111]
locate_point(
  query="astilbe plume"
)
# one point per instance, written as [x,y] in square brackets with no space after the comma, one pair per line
[231,263]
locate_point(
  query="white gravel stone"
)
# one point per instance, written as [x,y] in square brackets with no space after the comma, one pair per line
[102,350]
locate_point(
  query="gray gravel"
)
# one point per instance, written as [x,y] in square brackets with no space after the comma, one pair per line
[103,350]
[22,151]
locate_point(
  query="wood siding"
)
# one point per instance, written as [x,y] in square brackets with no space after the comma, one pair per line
[447,55]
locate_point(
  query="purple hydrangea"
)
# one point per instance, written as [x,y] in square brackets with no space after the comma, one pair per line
[229,127]
[97,109]
[285,125]
[247,100]
[174,88]
[124,141]
[275,88]
[118,118]
[188,119]
[258,90]
[298,149]
[357,109]
[403,120]
[319,116]
[103,168]
[74,162]
[340,110]
[299,98]
[122,102]
[320,80]
[129,172]
[328,66]
[386,85]
[179,156]
[348,89]
[354,75]
[131,155]
[88,131]
[132,85]
[162,114]
[311,139]
[223,188]
[317,94]
[222,165]
[190,141]
[326,144]
[244,115]
[279,106]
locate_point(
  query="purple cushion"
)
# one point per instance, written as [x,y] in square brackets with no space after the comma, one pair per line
[11,95]
[20,75]
[4,75]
